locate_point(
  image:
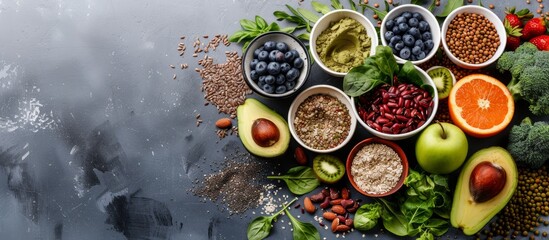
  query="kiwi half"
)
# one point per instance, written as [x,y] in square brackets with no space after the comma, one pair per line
[444,80]
[328,169]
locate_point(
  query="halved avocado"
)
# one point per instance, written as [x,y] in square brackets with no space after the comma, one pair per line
[253,110]
[470,215]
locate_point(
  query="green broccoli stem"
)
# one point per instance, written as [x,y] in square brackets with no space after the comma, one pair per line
[515,89]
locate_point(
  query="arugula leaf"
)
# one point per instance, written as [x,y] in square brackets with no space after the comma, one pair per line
[302,230]
[320,7]
[261,226]
[308,15]
[367,216]
[300,180]
[450,6]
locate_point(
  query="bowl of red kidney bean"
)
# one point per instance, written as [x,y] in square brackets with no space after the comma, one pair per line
[399,111]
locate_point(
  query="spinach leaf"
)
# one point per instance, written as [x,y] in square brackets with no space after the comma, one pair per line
[437,226]
[410,73]
[367,216]
[426,235]
[261,226]
[362,79]
[300,180]
[385,60]
[308,14]
[417,210]
[302,230]
[320,7]
[450,6]
[393,220]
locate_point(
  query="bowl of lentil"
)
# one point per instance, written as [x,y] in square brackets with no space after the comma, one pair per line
[320,119]
[397,112]
[473,37]
[412,32]
[341,40]
[276,65]
[377,167]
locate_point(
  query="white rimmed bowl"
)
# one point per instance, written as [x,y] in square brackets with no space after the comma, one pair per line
[328,90]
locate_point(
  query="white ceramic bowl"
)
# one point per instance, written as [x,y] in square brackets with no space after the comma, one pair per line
[427,80]
[321,89]
[427,16]
[324,22]
[490,16]
[293,43]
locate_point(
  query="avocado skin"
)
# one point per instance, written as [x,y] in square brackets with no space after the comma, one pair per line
[247,113]
[469,215]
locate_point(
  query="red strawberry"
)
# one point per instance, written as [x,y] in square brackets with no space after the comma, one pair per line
[513,35]
[534,27]
[515,19]
[542,42]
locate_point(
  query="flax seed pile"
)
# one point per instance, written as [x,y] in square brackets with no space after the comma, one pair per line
[376,168]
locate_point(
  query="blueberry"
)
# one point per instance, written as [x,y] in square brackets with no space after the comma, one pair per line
[421,55]
[292,74]
[285,67]
[388,35]
[399,46]
[253,63]
[261,68]
[270,79]
[407,15]
[280,79]
[405,53]
[279,56]
[261,79]
[261,84]
[253,75]
[263,56]
[273,68]
[272,55]
[257,51]
[416,50]
[269,46]
[289,85]
[409,40]
[392,46]
[417,16]
[390,23]
[400,20]
[420,44]
[414,32]
[280,89]
[282,46]
[298,63]
[429,44]
[268,88]
[423,26]
[427,36]
[395,30]
[289,56]
[395,39]
[413,22]
[403,27]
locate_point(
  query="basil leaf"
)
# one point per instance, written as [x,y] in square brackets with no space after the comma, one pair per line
[260,228]
[304,36]
[281,15]
[308,14]
[302,230]
[300,180]
[450,6]
[336,4]
[320,7]
[248,25]
[238,36]
[260,22]
[367,216]
[273,27]
[288,29]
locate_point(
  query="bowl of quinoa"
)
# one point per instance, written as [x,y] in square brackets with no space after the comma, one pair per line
[377,167]
[321,119]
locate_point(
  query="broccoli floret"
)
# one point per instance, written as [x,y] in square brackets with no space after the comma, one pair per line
[529,143]
[529,69]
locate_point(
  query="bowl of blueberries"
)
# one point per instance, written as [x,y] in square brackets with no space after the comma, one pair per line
[412,32]
[276,65]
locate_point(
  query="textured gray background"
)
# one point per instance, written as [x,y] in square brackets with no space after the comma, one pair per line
[86,84]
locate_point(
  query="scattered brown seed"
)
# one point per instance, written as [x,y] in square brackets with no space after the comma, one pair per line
[376,5]
[174,77]
[223,123]
[172,66]
[491,6]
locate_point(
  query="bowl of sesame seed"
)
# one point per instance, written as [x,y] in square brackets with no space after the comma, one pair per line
[377,167]
[321,119]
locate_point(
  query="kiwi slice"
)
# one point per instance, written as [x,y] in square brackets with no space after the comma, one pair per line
[444,80]
[328,169]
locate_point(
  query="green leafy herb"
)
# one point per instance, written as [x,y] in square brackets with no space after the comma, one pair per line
[252,29]
[367,216]
[450,6]
[302,230]
[320,7]
[300,180]
[336,4]
[261,226]
[352,4]
[308,14]
[380,13]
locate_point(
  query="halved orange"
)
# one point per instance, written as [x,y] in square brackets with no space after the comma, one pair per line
[481,105]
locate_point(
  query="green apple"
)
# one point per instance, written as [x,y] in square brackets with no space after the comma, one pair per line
[441,148]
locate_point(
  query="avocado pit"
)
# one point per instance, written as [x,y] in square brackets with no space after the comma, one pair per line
[486,181]
[264,132]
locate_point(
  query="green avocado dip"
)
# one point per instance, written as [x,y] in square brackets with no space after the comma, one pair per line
[343,45]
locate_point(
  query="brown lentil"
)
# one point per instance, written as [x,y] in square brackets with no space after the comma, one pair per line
[376,168]
[322,121]
[472,38]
